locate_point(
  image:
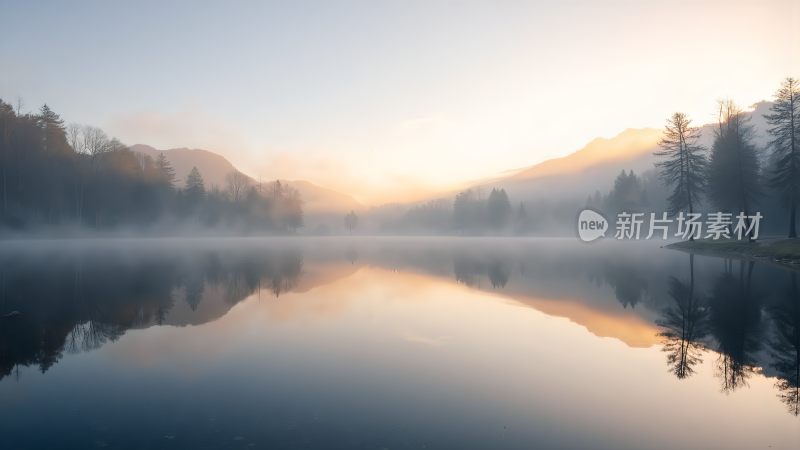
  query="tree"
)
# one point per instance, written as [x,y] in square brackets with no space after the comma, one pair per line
[195,187]
[684,164]
[237,183]
[95,141]
[351,221]
[627,194]
[498,208]
[54,138]
[165,170]
[469,210]
[733,170]
[75,137]
[7,120]
[785,144]
[51,174]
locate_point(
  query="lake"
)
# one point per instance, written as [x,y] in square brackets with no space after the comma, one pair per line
[394,343]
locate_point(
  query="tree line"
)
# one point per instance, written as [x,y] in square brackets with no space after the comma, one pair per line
[470,212]
[52,174]
[733,176]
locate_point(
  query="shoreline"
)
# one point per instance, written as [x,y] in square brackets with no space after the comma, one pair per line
[782,251]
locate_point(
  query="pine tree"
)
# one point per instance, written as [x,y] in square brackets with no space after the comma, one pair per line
[195,187]
[684,163]
[165,170]
[54,135]
[733,169]
[627,194]
[785,144]
[498,208]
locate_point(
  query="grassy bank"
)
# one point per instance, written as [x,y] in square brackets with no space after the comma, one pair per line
[782,251]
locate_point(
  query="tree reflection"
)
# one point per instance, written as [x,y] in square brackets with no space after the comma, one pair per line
[64,310]
[683,324]
[629,283]
[736,324]
[470,269]
[785,345]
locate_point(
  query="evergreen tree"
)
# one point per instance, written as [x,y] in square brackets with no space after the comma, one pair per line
[684,163]
[627,194]
[785,144]
[195,187]
[54,136]
[733,172]
[469,210]
[498,208]
[165,170]
[50,176]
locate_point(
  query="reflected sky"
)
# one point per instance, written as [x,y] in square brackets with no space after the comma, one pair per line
[394,343]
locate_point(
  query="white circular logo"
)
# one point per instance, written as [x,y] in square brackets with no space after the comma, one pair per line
[591,225]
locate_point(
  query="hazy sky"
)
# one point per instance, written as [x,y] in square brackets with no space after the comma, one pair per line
[378,98]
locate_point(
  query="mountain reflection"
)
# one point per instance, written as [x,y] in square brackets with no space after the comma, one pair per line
[743,316]
[73,302]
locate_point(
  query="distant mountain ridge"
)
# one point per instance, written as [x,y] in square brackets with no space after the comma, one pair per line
[573,176]
[215,167]
[595,166]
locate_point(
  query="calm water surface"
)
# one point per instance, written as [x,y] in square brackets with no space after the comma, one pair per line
[394,343]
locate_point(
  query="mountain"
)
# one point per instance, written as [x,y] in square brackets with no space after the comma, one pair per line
[627,146]
[212,166]
[578,174]
[591,168]
[317,200]
[595,166]
[321,200]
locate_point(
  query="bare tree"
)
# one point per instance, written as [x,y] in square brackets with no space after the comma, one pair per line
[95,141]
[237,183]
[75,137]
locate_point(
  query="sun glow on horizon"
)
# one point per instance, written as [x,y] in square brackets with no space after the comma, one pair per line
[398,102]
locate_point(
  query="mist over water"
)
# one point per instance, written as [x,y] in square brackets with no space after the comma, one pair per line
[393,343]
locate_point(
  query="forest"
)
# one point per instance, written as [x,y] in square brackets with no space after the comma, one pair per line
[57,175]
[734,174]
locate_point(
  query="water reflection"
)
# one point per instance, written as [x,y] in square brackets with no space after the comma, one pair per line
[736,324]
[684,325]
[785,344]
[74,301]
[737,314]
